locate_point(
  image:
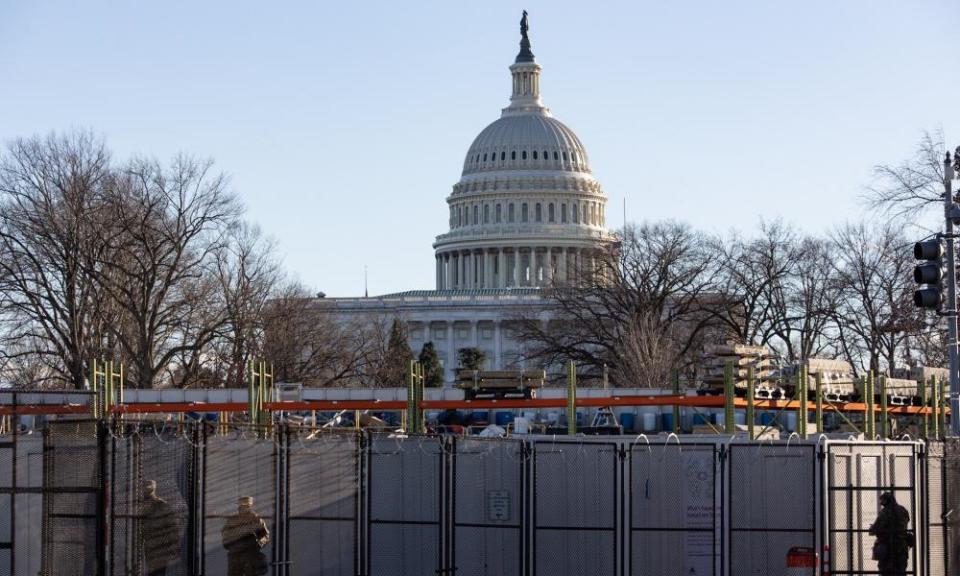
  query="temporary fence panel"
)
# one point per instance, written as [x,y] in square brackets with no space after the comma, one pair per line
[950,516]
[772,505]
[674,509]
[858,473]
[489,505]
[576,487]
[73,503]
[936,530]
[405,501]
[21,503]
[322,504]
[240,463]
[151,489]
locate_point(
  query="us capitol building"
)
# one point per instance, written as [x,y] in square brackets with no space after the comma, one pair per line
[527,212]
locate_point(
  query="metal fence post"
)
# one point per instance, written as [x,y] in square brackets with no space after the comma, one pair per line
[729,422]
[750,416]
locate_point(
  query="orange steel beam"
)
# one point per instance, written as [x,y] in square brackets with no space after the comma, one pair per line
[507,403]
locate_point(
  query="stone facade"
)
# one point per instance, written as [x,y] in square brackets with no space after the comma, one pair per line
[527,213]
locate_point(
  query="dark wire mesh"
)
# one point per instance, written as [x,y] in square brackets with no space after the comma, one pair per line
[239,464]
[405,497]
[151,481]
[488,507]
[858,474]
[674,509]
[72,499]
[21,503]
[951,503]
[575,490]
[772,505]
[322,491]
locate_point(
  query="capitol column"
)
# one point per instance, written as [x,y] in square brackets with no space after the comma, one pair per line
[562,268]
[501,268]
[448,280]
[497,362]
[549,274]
[487,269]
[516,266]
[451,364]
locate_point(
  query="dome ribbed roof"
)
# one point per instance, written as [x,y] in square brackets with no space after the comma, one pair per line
[504,143]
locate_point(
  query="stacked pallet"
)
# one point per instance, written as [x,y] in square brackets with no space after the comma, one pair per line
[836,378]
[716,357]
[924,373]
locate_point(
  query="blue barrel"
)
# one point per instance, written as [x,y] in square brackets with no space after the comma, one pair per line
[628,420]
[503,418]
[667,418]
[479,416]
[700,419]
[766,418]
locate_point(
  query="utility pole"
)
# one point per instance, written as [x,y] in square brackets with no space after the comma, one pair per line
[951,211]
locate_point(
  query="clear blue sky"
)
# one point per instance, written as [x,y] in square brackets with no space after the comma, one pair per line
[343,125]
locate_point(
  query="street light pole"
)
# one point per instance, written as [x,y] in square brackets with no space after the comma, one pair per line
[950,212]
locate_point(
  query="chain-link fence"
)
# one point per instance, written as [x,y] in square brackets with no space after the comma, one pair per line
[88,498]
[773,505]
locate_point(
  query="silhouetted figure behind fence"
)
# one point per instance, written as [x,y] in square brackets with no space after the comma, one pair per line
[894,540]
[160,528]
[244,534]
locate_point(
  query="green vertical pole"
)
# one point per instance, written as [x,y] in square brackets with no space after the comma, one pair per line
[750,417]
[935,405]
[572,400]
[870,416]
[884,427]
[251,392]
[942,434]
[421,425]
[676,407]
[818,382]
[729,423]
[411,400]
[924,418]
[801,395]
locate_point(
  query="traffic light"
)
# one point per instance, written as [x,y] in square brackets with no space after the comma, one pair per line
[928,274]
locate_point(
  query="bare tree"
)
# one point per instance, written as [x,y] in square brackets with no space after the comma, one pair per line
[247,272]
[875,314]
[637,312]
[752,280]
[163,228]
[914,185]
[48,190]
[307,342]
[805,302]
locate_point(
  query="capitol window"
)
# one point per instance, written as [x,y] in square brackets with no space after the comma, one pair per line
[486,213]
[510,213]
[523,212]
[563,213]
[555,155]
[550,215]
[459,216]
[476,215]
[564,156]
[523,155]
[539,213]
[576,213]
[545,155]
[534,154]
[503,156]
[513,155]
[499,213]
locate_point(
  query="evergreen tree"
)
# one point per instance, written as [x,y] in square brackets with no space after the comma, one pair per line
[432,370]
[471,358]
[396,359]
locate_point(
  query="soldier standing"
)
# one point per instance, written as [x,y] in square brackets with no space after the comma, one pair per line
[161,531]
[244,534]
[894,541]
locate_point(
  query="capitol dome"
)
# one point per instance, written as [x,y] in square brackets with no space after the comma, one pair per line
[527,211]
[530,140]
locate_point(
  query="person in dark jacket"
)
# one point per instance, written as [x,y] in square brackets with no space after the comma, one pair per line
[160,528]
[893,543]
[244,534]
